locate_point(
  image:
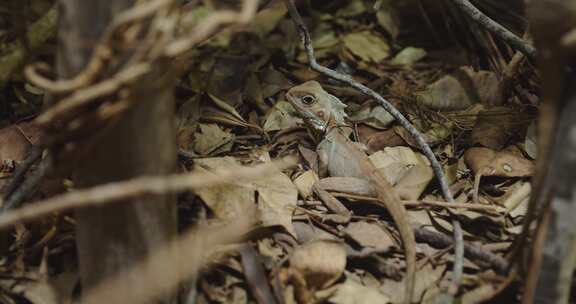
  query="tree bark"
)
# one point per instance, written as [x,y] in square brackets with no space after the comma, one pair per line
[554,201]
[142,142]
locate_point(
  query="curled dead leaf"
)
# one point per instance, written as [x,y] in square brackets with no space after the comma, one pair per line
[320,262]
[488,162]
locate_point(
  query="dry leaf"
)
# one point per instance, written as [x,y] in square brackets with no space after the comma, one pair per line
[352,185]
[267,19]
[277,195]
[273,82]
[310,156]
[427,277]
[408,171]
[461,89]
[304,183]
[229,201]
[408,56]
[320,262]
[307,232]
[435,133]
[488,162]
[378,140]
[227,108]
[388,17]
[494,127]
[375,117]
[352,292]
[354,8]
[367,46]
[369,235]
[211,139]
[13,143]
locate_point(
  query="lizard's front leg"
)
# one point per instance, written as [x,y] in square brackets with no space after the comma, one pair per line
[323,159]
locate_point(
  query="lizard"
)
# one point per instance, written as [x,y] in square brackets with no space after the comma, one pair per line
[325,117]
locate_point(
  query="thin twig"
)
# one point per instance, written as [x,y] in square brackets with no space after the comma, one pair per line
[138,187]
[307,42]
[84,96]
[438,240]
[493,27]
[207,28]
[102,51]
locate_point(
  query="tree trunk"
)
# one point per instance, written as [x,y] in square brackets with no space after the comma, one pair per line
[552,260]
[142,142]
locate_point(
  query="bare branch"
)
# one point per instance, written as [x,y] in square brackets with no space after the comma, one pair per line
[493,27]
[138,187]
[205,30]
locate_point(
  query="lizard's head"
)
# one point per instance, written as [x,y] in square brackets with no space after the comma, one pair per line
[317,107]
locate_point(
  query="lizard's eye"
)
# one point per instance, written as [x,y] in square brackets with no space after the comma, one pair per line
[308,99]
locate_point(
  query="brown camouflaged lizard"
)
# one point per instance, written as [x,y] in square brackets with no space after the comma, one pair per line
[325,117]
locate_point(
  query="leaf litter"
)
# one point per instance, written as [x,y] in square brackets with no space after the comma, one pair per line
[231,113]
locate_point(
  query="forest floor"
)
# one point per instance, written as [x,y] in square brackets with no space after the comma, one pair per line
[473,99]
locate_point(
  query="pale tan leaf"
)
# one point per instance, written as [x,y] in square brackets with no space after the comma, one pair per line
[229,201]
[427,277]
[375,117]
[369,235]
[320,262]
[407,170]
[408,56]
[352,292]
[277,197]
[387,17]
[367,46]
[305,182]
[488,162]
